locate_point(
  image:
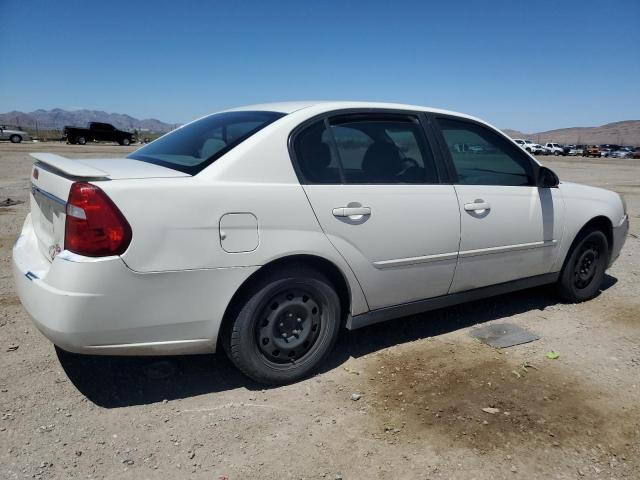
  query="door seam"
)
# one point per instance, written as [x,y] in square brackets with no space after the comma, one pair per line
[335,248]
[455,269]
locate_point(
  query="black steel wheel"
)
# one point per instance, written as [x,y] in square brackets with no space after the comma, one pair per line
[284,326]
[586,265]
[583,271]
[289,325]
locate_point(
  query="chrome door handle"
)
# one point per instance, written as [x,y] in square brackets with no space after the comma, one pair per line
[477,205]
[351,211]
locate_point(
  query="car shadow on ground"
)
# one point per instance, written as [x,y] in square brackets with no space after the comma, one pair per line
[112,382]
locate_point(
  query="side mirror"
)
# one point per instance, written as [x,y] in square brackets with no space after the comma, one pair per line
[547,179]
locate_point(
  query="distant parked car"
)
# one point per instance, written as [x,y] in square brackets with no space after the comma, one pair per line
[555,149]
[537,149]
[623,152]
[97,132]
[605,152]
[13,135]
[576,150]
[526,145]
[544,150]
[636,153]
[529,146]
[521,143]
[611,147]
[591,151]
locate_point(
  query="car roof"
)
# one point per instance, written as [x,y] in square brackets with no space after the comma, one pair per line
[329,105]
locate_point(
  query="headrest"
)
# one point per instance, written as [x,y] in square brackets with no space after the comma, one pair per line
[381,160]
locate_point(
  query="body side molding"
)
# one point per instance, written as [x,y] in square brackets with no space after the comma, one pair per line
[401,262]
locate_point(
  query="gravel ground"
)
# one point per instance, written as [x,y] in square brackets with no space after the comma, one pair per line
[420,383]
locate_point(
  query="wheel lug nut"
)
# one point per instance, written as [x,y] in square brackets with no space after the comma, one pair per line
[299,320]
[284,335]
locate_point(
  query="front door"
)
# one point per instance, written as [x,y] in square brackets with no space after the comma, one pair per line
[510,228]
[374,187]
[100,133]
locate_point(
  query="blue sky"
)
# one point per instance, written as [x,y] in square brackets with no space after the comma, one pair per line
[529,65]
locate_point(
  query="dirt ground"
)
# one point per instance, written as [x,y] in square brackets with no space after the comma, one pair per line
[423,383]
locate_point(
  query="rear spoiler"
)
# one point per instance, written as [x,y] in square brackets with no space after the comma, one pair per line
[68,167]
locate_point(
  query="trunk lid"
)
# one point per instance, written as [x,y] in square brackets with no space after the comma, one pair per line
[104,168]
[51,179]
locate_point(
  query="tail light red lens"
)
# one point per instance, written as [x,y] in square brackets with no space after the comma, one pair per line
[94,225]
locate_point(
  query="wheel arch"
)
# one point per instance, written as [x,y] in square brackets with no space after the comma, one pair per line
[327,267]
[600,222]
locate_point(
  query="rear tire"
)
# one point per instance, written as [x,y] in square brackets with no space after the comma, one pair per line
[286,325]
[81,140]
[15,138]
[125,142]
[583,271]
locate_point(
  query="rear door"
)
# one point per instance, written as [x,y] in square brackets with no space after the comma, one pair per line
[374,186]
[510,228]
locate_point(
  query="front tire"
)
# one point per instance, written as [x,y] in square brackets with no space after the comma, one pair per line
[15,138]
[125,142]
[583,272]
[287,325]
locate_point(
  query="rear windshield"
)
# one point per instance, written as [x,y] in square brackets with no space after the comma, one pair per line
[191,148]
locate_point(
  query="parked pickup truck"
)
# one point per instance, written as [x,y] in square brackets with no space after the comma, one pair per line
[97,132]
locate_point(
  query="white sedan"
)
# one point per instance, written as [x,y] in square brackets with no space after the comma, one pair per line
[266,229]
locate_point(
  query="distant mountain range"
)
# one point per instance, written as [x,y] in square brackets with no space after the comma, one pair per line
[57,118]
[622,133]
[619,133]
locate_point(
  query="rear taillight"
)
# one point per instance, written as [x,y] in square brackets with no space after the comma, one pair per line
[94,225]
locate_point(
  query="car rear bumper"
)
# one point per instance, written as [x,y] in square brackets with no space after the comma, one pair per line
[619,237]
[100,306]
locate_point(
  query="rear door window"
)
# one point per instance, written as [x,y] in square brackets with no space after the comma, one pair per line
[370,149]
[316,163]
